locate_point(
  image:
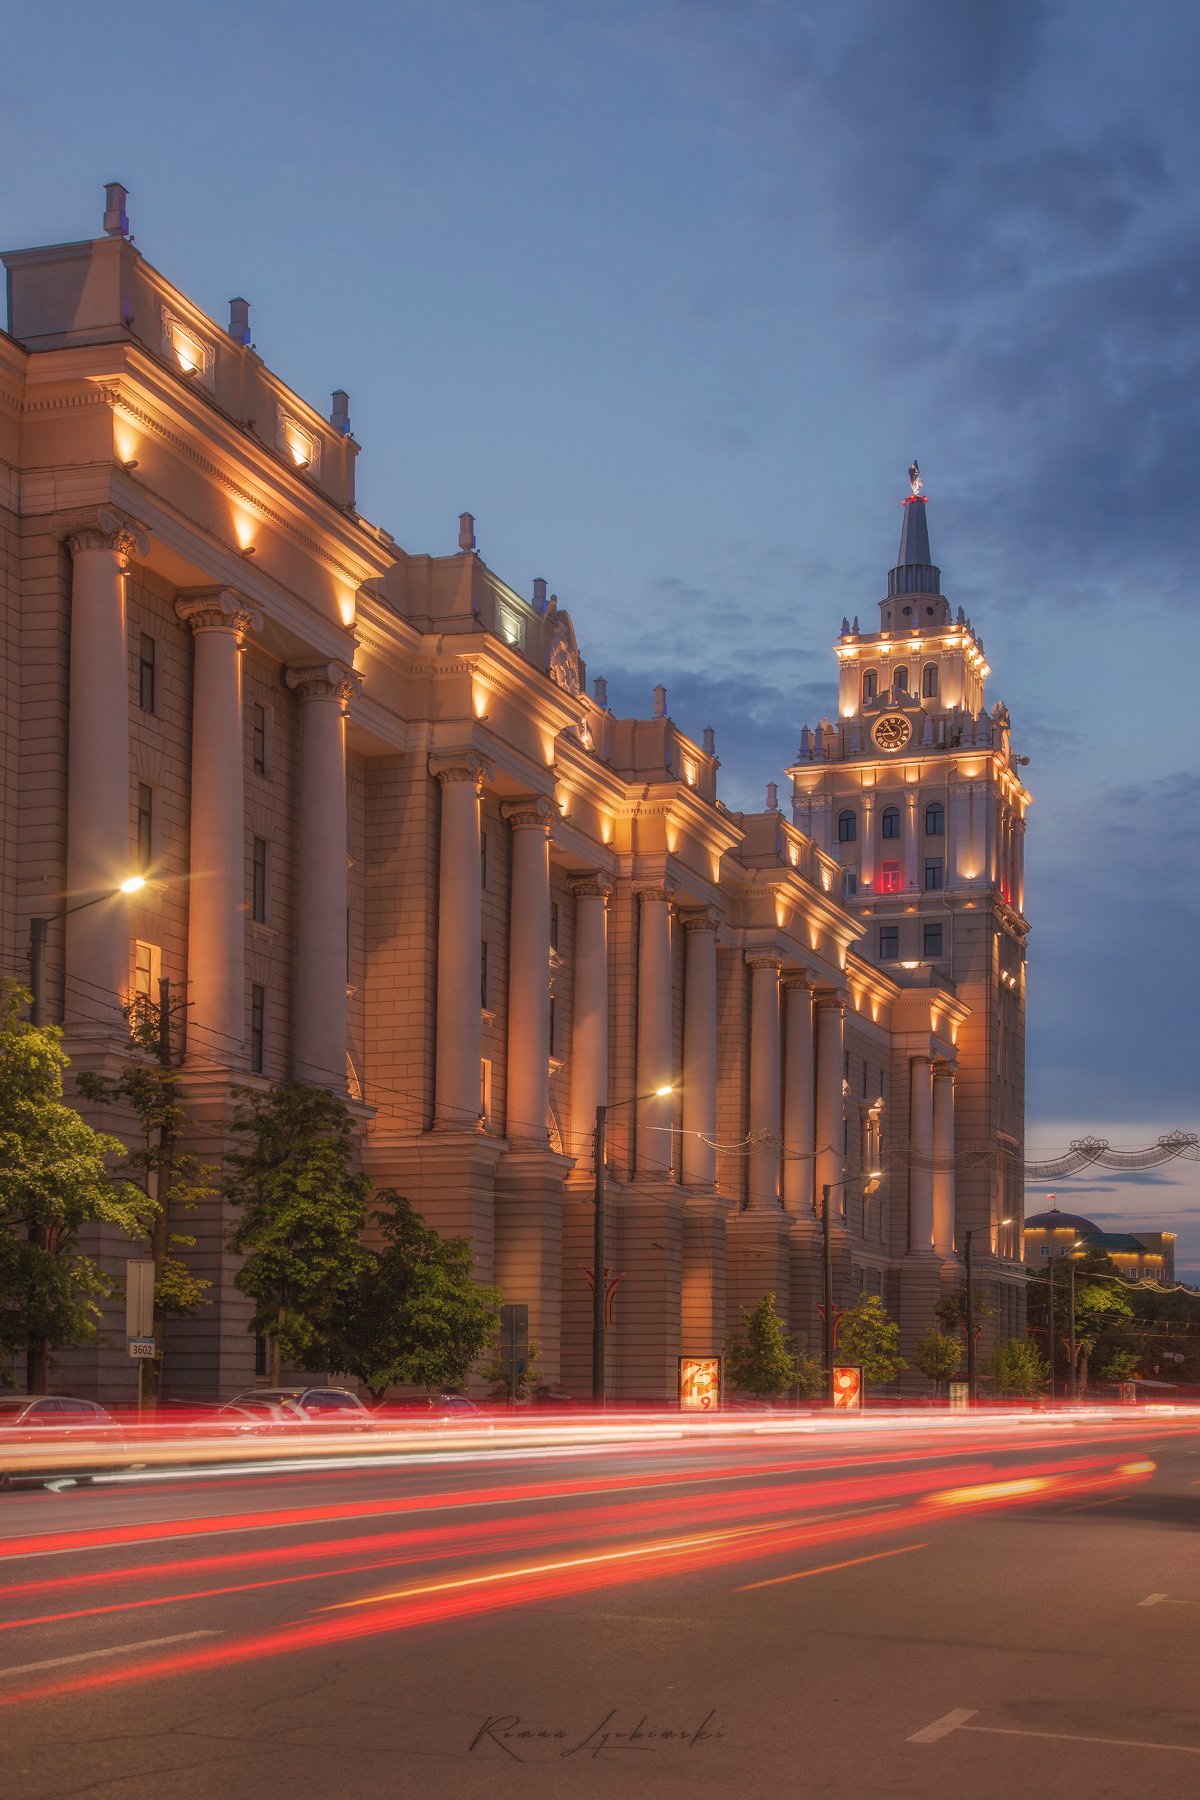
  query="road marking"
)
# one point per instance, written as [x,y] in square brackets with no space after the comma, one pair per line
[57,1662]
[828,1568]
[944,1726]
[1152,1599]
[1113,1500]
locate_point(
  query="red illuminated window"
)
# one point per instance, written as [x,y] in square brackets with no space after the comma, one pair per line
[889,878]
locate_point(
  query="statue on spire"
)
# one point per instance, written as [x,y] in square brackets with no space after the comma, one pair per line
[914,478]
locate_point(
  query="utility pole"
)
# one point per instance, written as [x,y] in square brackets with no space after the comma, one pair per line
[598,1284]
[970,1318]
[160,1238]
[1074,1388]
[37,970]
[827,1271]
[1050,1314]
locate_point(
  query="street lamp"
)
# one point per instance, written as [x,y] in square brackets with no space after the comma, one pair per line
[38,930]
[827,1188]
[598,1293]
[967,1236]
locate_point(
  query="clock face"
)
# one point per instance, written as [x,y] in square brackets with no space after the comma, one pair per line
[892,732]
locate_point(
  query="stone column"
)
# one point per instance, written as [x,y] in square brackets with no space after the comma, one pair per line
[920,1173]
[529,973]
[959,846]
[866,856]
[763,1173]
[219,619]
[829,1161]
[319,1038]
[798,1094]
[912,840]
[655,1038]
[700,1047]
[943,1154]
[589,1018]
[460,927]
[821,817]
[99,855]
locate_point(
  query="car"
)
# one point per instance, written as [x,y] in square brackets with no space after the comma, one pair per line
[47,1435]
[336,1408]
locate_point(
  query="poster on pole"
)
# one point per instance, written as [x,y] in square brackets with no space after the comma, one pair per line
[960,1396]
[848,1387]
[699,1383]
[139,1299]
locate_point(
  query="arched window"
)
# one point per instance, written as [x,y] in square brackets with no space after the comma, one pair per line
[929,681]
[890,822]
[847,827]
[935,819]
[900,680]
[870,685]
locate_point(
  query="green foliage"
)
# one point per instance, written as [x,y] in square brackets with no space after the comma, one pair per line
[54,1180]
[937,1355]
[507,1385]
[414,1315]
[1122,1365]
[302,1215]
[759,1359]
[1016,1366]
[951,1310]
[810,1375]
[868,1336]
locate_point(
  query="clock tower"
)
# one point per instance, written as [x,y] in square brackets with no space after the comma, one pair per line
[916,790]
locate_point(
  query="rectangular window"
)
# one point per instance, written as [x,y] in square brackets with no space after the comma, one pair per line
[485,1088]
[934,869]
[933,940]
[483,838]
[262,1355]
[483,975]
[554,924]
[146,649]
[258,1025]
[258,891]
[553,1026]
[889,878]
[147,970]
[258,719]
[849,883]
[889,943]
[145,827]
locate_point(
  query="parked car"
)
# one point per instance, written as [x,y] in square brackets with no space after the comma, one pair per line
[337,1408]
[44,1435]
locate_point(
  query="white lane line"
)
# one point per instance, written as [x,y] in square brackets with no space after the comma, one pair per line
[942,1727]
[1152,1599]
[58,1662]
[1075,1737]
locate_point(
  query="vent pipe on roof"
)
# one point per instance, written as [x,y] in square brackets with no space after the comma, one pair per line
[239,320]
[339,412]
[116,218]
[466,531]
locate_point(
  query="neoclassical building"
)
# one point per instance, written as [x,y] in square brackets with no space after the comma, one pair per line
[394,843]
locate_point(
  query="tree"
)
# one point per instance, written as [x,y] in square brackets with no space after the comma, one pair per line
[951,1310]
[54,1180]
[937,1355]
[759,1359]
[1098,1307]
[508,1383]
[1122,1365]
[177,1182]
[414,1315]
[869,1337]
[303,1213]
[1016,1366]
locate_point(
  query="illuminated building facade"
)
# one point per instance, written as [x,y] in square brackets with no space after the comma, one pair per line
[394,845]
[1138,1255]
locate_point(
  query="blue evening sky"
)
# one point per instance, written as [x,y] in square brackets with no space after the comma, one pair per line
[669,295]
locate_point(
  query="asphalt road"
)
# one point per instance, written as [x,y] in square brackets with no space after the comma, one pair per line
[922,1610]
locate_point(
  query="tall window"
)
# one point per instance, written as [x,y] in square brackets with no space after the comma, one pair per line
[147,969]
[258,718]
[870,685]
[258,889]
[929,681]
[146,650]
[933,939]
[258,1025]
[934,872]
[553,1026]
[890,822]
[483,844]
[847,827]
[145,827]
[483,974]
[554,924]
[900,680]
[849,883]
[935,819]
[889,878]
[889,943]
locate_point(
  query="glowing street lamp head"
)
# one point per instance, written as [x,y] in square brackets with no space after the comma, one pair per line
[661,1092]
[132,883]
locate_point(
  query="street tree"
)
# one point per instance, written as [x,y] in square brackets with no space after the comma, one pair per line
[513,1382]
[868,1336]
[303,1210]
[1016,1366]
[1122,1365]
[937,1355]
[414,1315]
[55,1180]
[759,1359]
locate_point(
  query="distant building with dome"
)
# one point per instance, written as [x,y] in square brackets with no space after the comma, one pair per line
[1139,1256]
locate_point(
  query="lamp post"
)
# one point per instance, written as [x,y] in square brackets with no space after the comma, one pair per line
[827,1188]
[970,1268]
[38,932]
[1077,1245]
[598,1289]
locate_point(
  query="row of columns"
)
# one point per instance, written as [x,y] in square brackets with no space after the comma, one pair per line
[931,1170]
[98,822]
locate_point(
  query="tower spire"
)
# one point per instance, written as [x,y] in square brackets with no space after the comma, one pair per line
[915,571]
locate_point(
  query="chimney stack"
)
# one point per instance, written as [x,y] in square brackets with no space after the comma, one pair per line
[466,531]
[339,412]
[116,219]
[600,690]
[239,320]
[660,702]
[709,745]
[539,593]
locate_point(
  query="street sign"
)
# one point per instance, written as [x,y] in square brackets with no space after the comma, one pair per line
[960,1395]
[699,1383]
[142,1349]
[139,1299]
[514,1326]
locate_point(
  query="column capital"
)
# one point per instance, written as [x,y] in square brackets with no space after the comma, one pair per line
[101,528]
[798,978]
[701,918]
[664,891]
[459,765]
[830,999]
[592,886]
[218,609]
[324,681]
[529,812]
[764,959]
[943,1070]
[922,1056]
